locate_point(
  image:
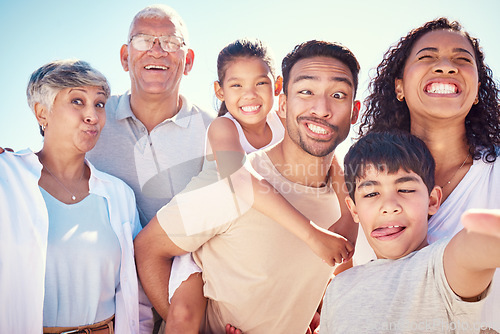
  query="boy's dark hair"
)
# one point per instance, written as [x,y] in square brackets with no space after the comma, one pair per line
[319,49]
[388,152]
[241,48]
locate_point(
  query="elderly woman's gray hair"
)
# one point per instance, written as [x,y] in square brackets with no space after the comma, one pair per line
[46,82]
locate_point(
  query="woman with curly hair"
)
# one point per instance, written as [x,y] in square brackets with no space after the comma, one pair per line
[434,84]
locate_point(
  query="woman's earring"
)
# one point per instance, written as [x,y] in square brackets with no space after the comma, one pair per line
[400,98]
[476,101]
[43,127]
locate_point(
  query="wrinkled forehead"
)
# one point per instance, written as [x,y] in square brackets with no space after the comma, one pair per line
[162,25]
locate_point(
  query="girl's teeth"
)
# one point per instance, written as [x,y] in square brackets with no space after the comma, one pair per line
[250,108]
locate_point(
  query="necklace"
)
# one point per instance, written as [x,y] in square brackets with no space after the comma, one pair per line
[463,163]
[73,197]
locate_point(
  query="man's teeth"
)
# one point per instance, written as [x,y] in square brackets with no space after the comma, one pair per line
[250,108]
[317,129]
[155,67]
[442,88]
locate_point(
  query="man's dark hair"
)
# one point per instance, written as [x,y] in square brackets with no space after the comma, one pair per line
[319,49]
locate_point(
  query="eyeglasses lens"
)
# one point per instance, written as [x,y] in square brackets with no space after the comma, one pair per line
[146,42]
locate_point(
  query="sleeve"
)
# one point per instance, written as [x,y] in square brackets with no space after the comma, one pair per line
[146,323]
[453,303]
[326,312]
[133,212]
[206,207]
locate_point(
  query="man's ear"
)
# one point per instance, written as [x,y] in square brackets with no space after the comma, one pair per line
[278,85]
[282,106]
[355,111]
[124,57]
[352,208]
[398,88]
[435,199]
[218,91]
[189,61]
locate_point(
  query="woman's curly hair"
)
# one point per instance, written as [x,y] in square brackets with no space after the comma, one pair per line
[384,112]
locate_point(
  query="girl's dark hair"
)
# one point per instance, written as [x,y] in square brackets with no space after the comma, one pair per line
[241,48]
[388,152]
[384,112]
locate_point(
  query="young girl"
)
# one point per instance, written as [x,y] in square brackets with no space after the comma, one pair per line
[246,87]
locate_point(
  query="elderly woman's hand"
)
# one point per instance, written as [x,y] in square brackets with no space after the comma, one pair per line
[6,149]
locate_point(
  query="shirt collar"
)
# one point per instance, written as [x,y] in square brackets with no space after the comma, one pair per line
[182,118]
[97,181]
[123,109]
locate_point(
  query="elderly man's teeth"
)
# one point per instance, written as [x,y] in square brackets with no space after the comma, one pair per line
[155,67]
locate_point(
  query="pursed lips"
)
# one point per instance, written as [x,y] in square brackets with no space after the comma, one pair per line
[92,131]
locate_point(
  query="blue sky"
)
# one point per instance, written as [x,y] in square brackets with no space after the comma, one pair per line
[36,32]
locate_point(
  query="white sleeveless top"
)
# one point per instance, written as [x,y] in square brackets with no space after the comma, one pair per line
[274,122]
[277,130]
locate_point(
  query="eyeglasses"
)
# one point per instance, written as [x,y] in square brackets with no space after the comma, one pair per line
[168,43]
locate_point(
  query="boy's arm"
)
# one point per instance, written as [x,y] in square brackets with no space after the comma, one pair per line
[472,256]
[258,193]
[153,254]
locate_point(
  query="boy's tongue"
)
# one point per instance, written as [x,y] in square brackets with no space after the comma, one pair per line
[386,231]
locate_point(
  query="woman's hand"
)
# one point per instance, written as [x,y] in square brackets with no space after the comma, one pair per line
[6,149]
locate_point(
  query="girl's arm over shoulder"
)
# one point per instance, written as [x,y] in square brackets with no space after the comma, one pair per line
[229,155]
[224,141]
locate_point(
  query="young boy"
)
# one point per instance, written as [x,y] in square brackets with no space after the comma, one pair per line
[411,287]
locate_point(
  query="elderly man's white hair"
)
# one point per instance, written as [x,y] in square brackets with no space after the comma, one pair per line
[161,11]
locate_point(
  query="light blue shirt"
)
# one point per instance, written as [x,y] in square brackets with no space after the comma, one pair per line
[83,263]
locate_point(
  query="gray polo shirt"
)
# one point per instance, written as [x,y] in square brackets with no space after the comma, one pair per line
[157,165]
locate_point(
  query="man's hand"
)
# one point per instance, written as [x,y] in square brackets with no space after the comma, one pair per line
[482,221]
[331,247]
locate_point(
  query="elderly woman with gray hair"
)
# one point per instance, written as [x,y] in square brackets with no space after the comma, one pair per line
[67,229]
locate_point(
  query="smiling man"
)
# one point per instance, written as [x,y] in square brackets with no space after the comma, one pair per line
[154,138]
[258,276]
